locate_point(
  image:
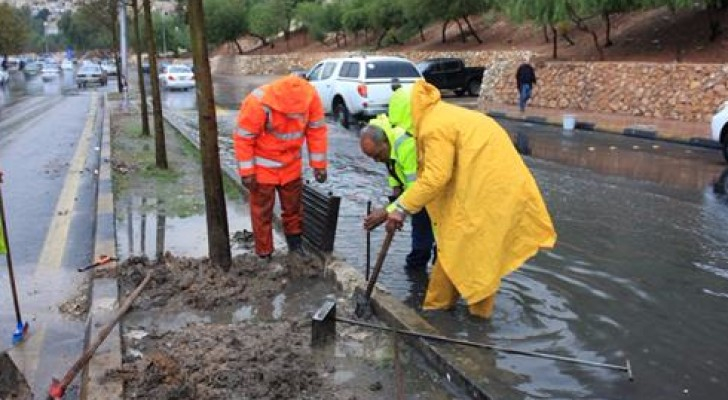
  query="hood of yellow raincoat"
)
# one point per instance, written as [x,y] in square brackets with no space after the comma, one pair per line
[290,94]
[400,109]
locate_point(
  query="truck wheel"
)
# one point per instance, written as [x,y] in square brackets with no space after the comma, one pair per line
[725,149]
[341,114]
[474,87]
[721,185]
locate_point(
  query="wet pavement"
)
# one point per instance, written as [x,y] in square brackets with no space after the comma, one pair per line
[640,270]
[49,152]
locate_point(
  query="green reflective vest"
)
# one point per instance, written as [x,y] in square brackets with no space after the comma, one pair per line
[403,154]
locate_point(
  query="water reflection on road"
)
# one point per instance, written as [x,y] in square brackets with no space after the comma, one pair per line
[640,270]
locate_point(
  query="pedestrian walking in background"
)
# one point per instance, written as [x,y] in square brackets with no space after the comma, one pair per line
[487,211]
[394,147]
[273,123]
[525,79]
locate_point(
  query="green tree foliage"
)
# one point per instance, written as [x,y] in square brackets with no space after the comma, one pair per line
[15,30]
[322,19]
[226,21]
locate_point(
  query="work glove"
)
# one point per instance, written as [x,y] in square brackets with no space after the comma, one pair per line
[250,182]
[320,175]
[375,218]
[395,221]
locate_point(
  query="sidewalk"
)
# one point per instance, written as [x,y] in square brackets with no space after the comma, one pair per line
[696,133]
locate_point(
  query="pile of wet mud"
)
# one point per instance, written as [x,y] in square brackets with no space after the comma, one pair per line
[180,283]
[270,360]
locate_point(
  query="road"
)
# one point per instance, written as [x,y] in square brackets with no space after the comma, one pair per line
[49,137]
[640,270]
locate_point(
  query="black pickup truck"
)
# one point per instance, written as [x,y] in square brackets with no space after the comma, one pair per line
[452,74]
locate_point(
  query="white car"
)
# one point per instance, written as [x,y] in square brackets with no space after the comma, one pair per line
[50,71]
[67,65]
[109,67]
[719,128]
[360,86]
[177,77]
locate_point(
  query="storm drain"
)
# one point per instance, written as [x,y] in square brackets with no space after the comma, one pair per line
[320,217]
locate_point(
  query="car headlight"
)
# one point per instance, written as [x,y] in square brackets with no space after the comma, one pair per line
[721,107]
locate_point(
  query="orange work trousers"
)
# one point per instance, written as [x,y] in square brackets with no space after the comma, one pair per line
[262,201]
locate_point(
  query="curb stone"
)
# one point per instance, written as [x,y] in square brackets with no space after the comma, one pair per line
[104,291]
[639,131]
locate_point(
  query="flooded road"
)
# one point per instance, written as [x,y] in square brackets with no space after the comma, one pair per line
[640,270]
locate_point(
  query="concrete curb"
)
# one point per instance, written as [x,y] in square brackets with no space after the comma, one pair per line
[638,131]
[104,291]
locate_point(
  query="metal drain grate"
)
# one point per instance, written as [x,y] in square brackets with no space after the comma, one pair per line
[320,217]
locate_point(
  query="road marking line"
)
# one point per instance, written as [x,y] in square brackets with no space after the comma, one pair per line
[51,256]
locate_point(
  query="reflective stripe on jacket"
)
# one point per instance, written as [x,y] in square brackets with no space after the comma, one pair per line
[273,123]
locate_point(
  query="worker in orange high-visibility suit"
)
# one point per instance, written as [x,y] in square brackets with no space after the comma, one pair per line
[273,123]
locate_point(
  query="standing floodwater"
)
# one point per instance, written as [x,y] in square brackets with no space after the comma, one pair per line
[640,269]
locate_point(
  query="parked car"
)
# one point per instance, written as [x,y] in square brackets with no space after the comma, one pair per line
[50,71]
[67,65]
[452,74]
[719,128]
[109,67]
[91,73]
[359,86]
[177,77]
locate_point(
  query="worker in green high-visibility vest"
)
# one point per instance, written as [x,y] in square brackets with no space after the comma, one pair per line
[395,147]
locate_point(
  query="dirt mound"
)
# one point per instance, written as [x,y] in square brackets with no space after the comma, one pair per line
[244,361]
[183,283]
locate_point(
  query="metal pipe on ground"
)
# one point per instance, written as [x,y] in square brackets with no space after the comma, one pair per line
[324,330]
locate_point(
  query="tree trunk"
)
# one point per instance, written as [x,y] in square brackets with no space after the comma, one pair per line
[608,30]
[218,235]
[554,34]
[140,73]
[463,37]
[239,47]
[545,34]
[422,33]
[585,28]
[115,44]
[472,31]
[159,145]
[444,28]
[345,41]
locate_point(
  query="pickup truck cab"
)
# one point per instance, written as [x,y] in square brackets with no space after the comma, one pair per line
[452,74]
[359,86]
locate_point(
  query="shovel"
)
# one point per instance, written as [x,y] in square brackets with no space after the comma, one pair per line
[363,308]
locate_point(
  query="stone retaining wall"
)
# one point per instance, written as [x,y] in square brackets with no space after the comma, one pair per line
[683,92]
[283,63]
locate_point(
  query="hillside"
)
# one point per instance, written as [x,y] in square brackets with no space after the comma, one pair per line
[655,36]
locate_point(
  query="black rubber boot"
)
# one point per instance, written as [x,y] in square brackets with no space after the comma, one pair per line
[296,254]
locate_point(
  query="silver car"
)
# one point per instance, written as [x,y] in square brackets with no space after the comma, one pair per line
[91,73]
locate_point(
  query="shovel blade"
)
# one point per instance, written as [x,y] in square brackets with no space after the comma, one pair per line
[362,307]
[12,382]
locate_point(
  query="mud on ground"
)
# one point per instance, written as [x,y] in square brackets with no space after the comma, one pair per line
[242,361]
[186,283]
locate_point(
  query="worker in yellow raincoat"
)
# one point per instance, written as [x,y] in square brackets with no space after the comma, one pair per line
[486,208]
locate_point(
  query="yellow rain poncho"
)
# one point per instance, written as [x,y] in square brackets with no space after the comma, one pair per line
[486,208]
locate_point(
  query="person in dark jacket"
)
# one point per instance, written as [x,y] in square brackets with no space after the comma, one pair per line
[525,79]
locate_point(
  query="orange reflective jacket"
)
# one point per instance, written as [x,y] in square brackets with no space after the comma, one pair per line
[273,123]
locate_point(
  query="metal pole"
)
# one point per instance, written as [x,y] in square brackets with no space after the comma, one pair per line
[369,242]
[626,368]
[123,74]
